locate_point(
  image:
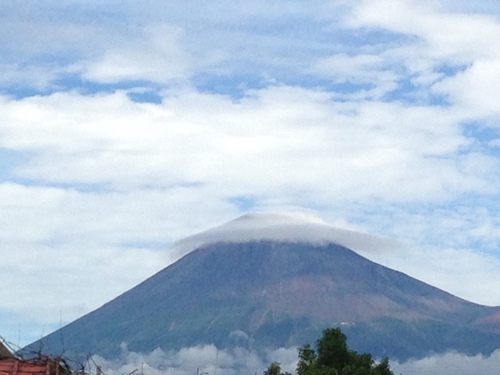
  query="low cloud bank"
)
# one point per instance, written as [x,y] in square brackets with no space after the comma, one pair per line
[208,360]
[450,364]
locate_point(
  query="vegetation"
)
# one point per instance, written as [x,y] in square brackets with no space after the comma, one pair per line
[275,369]
[333,357]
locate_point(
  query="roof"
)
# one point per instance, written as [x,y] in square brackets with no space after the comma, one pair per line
[5,352]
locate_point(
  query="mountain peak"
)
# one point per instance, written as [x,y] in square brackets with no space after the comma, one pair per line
[264,276]
[292,227]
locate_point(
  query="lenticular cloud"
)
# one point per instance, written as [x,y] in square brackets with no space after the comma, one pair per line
[286,227]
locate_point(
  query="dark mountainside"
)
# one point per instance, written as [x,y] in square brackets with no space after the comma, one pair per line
[272,294]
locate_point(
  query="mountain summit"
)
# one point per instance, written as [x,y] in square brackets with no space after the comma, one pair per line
[267,281]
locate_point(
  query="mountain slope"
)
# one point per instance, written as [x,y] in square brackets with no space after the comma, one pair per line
[272,293]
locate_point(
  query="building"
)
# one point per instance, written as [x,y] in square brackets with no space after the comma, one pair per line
[5,353]
[10,364]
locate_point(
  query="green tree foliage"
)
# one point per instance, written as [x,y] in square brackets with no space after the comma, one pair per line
[333,357]
[274,369]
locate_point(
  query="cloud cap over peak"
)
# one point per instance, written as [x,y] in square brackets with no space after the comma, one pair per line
[285,227]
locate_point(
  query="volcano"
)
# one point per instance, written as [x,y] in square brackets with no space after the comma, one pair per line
[268,281]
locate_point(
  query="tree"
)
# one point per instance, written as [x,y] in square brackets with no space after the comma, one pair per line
[333,357]
[274,369]
[307,360]
[332,349]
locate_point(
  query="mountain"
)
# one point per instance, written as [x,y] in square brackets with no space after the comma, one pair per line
[267,281]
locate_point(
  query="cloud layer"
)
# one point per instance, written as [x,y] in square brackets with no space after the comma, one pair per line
[194,360]
[211,360]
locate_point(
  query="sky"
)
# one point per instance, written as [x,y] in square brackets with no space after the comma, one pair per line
[126,126]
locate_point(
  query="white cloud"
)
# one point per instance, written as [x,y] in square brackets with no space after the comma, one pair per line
[157,55]
[199,359]
[288,227]
[110,42]
[439,39]
[373,70]
[284,136]
[447,35]
[474,89]
[450,364]
[228,362]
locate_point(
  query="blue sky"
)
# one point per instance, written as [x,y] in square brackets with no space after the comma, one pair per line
[126,126]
